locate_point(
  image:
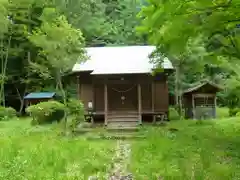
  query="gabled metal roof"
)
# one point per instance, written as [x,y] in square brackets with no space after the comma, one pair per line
[119,60]
[201,84]
[40,95]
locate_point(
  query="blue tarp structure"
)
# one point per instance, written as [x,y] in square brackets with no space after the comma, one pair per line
[40,95]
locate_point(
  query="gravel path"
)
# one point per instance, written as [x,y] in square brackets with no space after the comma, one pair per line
[120,162]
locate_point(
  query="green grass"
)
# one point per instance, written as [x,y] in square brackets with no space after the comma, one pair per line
[210,150]
[40,153]
[196,151]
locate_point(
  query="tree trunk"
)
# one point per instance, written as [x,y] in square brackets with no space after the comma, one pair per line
[3,70]
[21,99]
[59,82]
[176,87]
[178,93]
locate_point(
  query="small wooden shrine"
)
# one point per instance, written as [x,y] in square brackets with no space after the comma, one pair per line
[37,97]
[200,101]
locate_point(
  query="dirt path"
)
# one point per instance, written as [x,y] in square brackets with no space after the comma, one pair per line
[121,161]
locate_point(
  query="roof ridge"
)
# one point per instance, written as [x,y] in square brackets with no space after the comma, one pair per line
[100,47]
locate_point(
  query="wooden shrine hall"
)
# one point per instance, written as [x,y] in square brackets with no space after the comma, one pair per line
[117,83]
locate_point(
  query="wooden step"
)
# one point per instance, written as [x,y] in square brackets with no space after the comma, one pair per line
[123,116]
[123,112]
[123,120]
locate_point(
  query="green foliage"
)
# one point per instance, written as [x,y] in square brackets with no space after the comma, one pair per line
[238,114]
[59,42]
[233,111]
[76,110]
[46,112]
[104,22]
[232,93]
[222,112]
[75,107]
[42,39]
[173,114]
[7,113]
[3,17]
[185,32]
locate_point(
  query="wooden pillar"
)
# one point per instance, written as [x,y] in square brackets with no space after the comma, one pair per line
[153,102]
[215,106]
[105,104]
[139,104]
[153,97]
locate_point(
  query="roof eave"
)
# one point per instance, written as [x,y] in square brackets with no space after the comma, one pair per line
[190,90]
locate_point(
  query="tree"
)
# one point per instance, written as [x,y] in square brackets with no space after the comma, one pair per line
[173,26]
[104,22]
[122,16]
[173,41]
[4,21]
[24,16]
[60,44]
[89,16]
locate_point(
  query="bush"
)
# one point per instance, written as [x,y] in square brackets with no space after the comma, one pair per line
[233,111]
[7,113]
[222,112]
[76,110]
[173,114]
[46,112]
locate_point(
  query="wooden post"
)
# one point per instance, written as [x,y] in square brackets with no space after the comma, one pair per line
[153,102]
[215,106]
[139,104]
[153,97]
[105,104]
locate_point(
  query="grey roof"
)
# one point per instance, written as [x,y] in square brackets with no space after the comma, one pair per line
[119,60]
[40,95]
[201,84]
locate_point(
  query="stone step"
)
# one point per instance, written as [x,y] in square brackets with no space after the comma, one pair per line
[123,129]
[122,124]
[117,136]
[122,136]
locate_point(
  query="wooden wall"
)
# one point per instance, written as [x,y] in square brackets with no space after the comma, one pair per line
[92,89]
[161,101]
[99,97]
[85,89]
[86,94]
[146,97]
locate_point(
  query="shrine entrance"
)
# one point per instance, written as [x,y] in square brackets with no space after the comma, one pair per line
[122,97]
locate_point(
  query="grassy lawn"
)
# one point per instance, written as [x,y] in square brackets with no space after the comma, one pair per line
[39,153]
[208,151]
[196,151]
